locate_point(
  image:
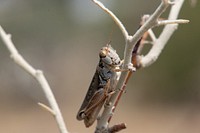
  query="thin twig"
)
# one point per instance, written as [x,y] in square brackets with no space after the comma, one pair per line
[152,35]
[38,75]
[45,107]
[178,21]
[112,15]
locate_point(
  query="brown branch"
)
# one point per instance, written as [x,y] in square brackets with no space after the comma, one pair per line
[117,128]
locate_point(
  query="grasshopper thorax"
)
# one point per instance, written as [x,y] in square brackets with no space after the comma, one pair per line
[109,56]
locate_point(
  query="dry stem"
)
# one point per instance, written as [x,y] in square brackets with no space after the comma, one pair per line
[38,75]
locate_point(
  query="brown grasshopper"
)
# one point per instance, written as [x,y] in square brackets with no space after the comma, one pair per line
[102,85]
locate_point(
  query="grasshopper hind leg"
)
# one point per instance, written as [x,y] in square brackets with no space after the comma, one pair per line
[92,110]
[81,115]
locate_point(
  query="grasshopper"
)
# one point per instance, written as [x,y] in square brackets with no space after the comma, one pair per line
[102,85]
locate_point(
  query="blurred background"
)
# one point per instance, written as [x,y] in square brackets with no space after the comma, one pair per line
[63,38]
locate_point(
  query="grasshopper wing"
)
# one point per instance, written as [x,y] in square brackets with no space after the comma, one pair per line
[94,107]
[91,91]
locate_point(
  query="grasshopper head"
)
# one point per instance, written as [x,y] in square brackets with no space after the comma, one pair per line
[109,56]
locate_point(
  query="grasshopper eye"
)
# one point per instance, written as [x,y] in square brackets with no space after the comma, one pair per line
[102,54]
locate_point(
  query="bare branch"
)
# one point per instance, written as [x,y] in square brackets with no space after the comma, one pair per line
[151,22]
[178,21]
[167,32]
[117,128]
[112,15]
[38,75]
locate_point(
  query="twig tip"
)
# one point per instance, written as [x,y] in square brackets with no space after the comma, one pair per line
[45,107]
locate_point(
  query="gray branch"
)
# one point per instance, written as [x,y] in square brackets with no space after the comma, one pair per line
[38,75]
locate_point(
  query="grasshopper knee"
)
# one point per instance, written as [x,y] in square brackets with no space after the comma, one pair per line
[81,115]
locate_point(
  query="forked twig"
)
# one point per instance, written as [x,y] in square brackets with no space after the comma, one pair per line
[131,41]
[165,35]
[38,75]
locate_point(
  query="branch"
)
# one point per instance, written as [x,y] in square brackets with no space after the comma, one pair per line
[167,32]
[115,19]
[152,21]
[38,75]
[179,21]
